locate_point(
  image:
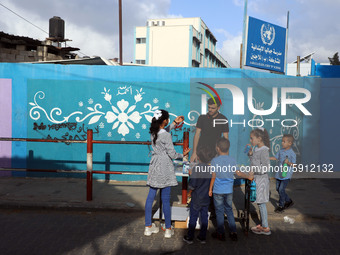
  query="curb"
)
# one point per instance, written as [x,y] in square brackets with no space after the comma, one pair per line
[127,209]
[68,207]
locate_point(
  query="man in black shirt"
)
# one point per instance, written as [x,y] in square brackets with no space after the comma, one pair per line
[206,134]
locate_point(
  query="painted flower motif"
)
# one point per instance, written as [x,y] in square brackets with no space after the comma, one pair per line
[109,134]
[138,97]
[123,139]
[167,105]
[81,104]
[122,118]
[155,100]
[107,96]
[90,101]
[101,125]
[143,126]
[138,135]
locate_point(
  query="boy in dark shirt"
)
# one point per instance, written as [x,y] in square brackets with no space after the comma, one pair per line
[200,200]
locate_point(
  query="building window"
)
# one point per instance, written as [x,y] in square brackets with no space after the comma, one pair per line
[140,40]
[140,61]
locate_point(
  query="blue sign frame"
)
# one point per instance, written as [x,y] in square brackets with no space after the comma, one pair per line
[265,45]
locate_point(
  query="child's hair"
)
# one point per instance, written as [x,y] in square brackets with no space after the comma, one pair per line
[211,101]
[289,137]
[156,122]
[223,144]
[205,154]
[263,134]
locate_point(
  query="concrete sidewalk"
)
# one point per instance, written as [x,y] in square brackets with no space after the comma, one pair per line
[313,198]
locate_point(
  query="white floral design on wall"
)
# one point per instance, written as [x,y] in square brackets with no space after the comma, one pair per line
[121,118]
[121,113]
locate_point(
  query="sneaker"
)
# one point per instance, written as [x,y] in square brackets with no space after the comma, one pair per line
[260,230]
[218,236]
[188,240]
[266,231]
[152,230]
[169,232]
[288,204]
[201,240]
[256,229]
[279,209]
[233,236]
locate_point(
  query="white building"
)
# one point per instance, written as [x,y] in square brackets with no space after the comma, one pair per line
[306,66]
[184,42]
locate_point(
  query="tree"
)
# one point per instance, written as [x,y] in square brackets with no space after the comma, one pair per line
[335,59]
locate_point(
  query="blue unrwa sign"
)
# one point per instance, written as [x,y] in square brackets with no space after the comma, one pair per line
[265,45]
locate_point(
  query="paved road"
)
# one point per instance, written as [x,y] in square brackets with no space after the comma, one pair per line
[66,232]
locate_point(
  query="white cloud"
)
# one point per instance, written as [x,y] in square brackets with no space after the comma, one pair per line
[9,24]
[93,43]
[312,25]
[238,2]
[230,49]
[312,28]
[91,25]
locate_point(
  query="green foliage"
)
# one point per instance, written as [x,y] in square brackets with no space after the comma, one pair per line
[335,59]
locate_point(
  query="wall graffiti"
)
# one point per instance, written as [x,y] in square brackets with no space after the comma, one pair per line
[79,134]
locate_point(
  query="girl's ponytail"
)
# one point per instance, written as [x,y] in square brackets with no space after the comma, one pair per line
[157,120]
[266,139]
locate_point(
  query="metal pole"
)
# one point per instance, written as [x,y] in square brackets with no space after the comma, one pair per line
[286,53]
[244,30]
[298,66]
[247,205]
[89,164]
[120,34]
[241,48]
[184,178]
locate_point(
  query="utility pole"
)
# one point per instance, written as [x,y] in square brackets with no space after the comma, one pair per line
[120,34]
[243,51]
[241,57]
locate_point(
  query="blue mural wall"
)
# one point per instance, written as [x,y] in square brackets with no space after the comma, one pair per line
[327,71]
[329,123]
[62,102]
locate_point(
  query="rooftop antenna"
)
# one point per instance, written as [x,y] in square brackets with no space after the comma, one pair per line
[120,34]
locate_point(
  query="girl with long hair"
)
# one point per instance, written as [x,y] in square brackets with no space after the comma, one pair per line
[259,166]
[259,161]
[161,170]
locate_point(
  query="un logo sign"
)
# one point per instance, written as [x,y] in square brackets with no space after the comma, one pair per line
[267,34]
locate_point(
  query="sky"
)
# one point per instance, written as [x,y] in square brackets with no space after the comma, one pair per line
[93,25]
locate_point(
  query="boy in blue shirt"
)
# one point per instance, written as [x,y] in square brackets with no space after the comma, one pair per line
[200,200]
[221,187]
[285,156]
